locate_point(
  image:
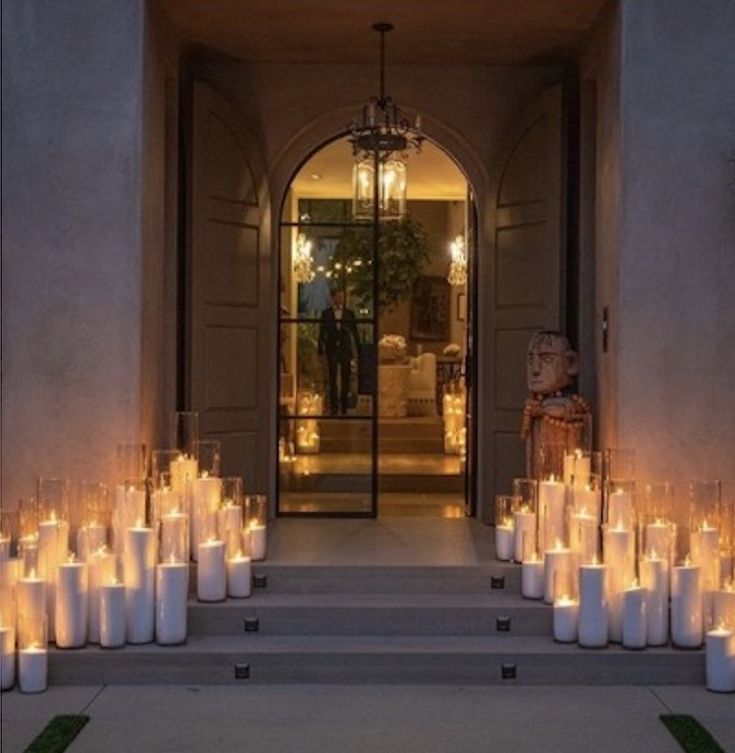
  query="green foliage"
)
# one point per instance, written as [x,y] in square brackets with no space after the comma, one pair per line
[58,734]
[690,734]
[403,249]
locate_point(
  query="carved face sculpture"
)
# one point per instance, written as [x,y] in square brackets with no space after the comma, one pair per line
[551,363]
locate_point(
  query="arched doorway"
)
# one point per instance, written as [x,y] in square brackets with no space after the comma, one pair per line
[375,343]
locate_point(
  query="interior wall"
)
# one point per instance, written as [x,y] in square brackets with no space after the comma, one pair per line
[72,74]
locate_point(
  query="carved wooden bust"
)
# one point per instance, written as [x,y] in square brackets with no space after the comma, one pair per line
[552,413]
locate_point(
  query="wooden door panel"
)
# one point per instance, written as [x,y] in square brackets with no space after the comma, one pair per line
[529,267]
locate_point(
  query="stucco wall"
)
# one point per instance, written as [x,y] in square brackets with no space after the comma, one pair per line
[676,360]
[83,237]
[71,307]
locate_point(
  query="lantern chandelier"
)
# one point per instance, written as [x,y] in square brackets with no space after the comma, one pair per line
[384,137]
[457,276]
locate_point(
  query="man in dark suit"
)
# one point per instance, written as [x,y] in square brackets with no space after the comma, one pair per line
[338,341]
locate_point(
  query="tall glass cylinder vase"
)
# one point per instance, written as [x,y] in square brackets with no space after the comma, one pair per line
[256,521]
[9,533]
[96,510]
[206,493]
[505,504]
[525,518]
[705,511]
[185,432]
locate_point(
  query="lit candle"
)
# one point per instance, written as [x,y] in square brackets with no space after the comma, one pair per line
[31,596]
[532,577]
[659,538]
[129,508]
[586,499]
[552,501]
[100,568]
[172,590]
[634,617]
[705,552]
[211,571]
[257,536]
[229,527]
[593,618]
[583,536]
[724,605]
[577,468]
[524,533]
[7,657]
[655,579]
[175,536]
[239,576]
[620,508]
[140,583]
[686,606]
[619,551]
[566,616]
[71,604]
[183,469]
[53,544]
[720,660]
[91,537]
[9,571]
[504,539]
[558,564]
[112,614]
[33,669]
[205,503]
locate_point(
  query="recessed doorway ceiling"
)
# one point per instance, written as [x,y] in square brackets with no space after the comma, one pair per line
[463,32]
[432,174]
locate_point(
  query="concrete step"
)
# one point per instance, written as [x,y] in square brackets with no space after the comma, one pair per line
[360,660]
[373,615]
[340,579]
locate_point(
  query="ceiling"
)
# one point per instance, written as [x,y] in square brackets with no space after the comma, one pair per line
[474,32]
[431,174]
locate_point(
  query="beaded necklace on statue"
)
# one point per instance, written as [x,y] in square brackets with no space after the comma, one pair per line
[534,408]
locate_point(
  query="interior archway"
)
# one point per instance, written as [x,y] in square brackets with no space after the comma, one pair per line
[390,430]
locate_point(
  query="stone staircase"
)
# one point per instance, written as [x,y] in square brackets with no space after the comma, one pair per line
[358,624]
[395,435]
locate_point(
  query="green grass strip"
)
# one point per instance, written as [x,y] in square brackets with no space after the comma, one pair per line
[690,734]
[58,734]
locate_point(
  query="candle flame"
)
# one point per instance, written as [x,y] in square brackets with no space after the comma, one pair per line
[687,561]
[205,474]
[652,555]
[53,516]
[32,576]
[138,523]
[558,544]
[172,558]
[72,557]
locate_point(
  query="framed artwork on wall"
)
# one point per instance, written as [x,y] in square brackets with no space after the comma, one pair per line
[430,308]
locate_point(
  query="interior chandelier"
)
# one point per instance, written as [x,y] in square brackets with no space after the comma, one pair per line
[303,261]
[384,139]
[458,265]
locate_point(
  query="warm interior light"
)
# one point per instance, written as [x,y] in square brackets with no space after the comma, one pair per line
[303,260]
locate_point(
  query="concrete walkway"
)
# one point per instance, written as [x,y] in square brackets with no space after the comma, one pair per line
[368,719]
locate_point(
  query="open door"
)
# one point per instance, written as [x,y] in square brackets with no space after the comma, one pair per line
[529,269]
[225,324]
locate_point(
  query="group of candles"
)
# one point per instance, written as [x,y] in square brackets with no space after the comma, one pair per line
[308,438]
[624,565]
[454,410]
[122,575]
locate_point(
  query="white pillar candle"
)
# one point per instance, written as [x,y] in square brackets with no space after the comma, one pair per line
[31,599]
[583,536]
[504,541]
[33,669]
[7,657]
[593,622]
[175,537]
[558,564]
[183,469]
[257,535]
[587,500]
[71,605]
[621,512]
[619,551]
[705,552]
[28,554]
[229,527]
[112,615]
[211,572]
[239,576]
[172,590]
[532,579]
[100,569]
[552,502]
[724,606]
[635,625]
[140,584]
[720,660]
[90,538]
[686,606]
[50,549]
[205,501]
[654,578]
[524,534]
[566,616]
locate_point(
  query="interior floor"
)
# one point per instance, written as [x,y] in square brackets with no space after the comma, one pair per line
[390,504]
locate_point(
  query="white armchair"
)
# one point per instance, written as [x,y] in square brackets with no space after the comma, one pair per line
[422,385]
